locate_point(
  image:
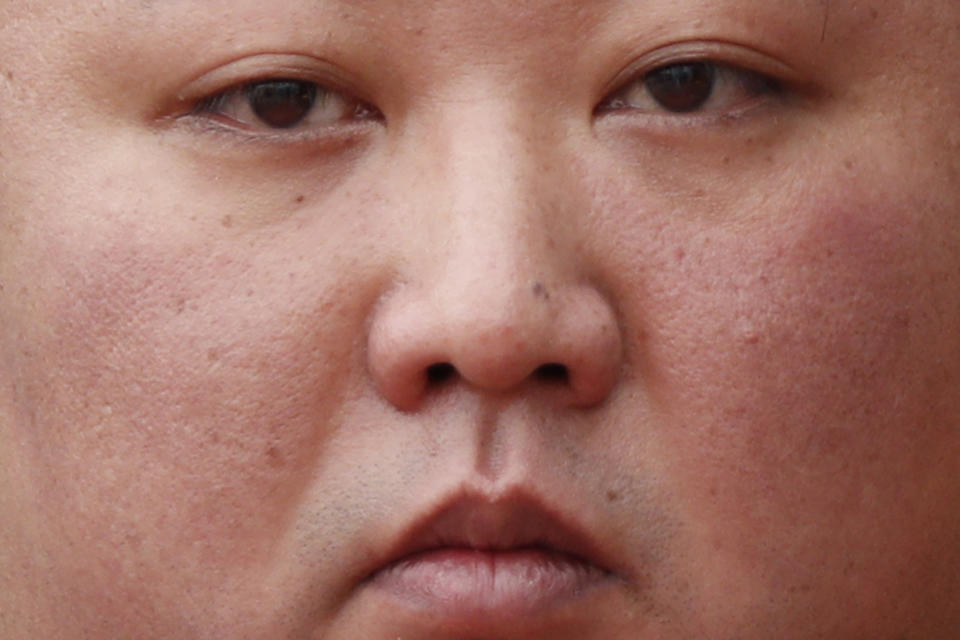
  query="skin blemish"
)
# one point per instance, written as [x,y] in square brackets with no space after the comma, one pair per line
[299,199]
[274,458]
[540,291]
[227,221]
[612,495]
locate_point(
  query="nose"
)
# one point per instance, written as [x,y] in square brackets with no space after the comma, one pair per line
[496,338]
[493,295]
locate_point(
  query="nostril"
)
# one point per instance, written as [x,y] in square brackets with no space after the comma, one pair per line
[440,372]
[552,372]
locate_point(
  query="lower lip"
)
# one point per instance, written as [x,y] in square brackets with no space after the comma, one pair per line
[466,583]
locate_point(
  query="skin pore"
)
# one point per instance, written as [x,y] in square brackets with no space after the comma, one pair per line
[278,281]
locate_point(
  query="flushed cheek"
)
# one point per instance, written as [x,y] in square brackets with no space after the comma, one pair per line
[178,397]
[807,369]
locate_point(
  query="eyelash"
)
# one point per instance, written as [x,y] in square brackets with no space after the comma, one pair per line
[696,86]
[735,89]
[296,104]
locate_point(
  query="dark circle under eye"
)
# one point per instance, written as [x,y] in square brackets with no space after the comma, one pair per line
[681,87]
[282,103]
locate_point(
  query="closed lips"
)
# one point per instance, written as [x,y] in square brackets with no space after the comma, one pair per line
[477,557]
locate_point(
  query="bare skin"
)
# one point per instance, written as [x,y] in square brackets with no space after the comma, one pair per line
[494,290]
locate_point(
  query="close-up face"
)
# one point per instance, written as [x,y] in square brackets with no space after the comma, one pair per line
[449,319]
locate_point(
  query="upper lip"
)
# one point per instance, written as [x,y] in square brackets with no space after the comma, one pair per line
[512,520]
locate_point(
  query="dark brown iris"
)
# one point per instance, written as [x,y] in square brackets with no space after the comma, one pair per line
[282,103]
[681,87]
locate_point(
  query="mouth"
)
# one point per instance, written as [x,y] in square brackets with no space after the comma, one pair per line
[478,558]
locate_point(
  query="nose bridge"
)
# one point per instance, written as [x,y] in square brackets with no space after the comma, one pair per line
[494,293]
[497,224]
[501,228]
[486,127]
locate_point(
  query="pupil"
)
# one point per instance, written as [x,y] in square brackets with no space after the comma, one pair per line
[282,103]
[681,87]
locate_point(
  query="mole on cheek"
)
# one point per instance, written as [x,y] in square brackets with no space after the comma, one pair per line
[274,458]
[540,291]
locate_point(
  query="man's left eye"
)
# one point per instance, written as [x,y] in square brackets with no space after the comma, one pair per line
[283,104]
[691,87]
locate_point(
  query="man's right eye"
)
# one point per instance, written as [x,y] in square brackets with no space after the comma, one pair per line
[283,103]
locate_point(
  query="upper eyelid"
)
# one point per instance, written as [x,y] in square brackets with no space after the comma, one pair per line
[724,55]
[235,76]
[615,103]
[214,110]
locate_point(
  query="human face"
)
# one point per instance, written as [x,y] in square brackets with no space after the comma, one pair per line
[495,334]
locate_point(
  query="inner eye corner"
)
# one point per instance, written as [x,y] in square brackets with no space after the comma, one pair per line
[367,111]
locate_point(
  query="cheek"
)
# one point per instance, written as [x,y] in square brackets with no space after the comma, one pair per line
[827,324]
[174,391]
[805,368]
[834,329]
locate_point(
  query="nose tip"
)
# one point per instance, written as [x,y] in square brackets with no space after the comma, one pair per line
[491,291]
[567,342]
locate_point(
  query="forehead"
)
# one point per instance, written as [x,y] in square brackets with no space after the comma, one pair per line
[488,20]
[494,32]
[415,36]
